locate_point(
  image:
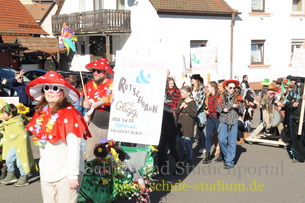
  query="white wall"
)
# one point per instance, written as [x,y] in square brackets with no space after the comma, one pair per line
[78,63]
[172,34]
[72,6]
[278,30]
[47,23]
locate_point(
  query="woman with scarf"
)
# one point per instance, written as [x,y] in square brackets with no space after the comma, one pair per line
[57,128]
[229,107]
[198,92]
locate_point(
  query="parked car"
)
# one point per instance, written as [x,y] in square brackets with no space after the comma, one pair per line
[33,74]
[9,74]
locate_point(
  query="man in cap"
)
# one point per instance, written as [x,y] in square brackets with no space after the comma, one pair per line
[98,96]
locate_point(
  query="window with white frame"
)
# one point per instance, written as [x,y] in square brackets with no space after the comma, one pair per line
[297,6]
[258,5]
[295,44]
[257,52]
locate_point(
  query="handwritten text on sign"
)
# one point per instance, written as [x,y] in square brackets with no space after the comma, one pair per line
[298,62]
[136,113]
[204,59]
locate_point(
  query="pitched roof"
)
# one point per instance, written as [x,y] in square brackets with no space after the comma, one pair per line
[9,39]
[39,45]
[198,7]
[16,20]
[38,11]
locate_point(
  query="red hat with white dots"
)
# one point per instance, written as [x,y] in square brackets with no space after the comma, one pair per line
[35,88]
[101,64]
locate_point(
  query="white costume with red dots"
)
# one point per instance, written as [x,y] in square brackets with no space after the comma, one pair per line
[63,140]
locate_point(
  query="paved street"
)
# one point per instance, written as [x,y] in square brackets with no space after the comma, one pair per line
[262,174]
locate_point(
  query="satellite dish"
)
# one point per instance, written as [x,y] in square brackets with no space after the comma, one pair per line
[132,3]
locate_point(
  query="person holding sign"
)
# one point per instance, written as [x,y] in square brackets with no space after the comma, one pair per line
[169,130]
[186,114]
[293,104]
[98,101]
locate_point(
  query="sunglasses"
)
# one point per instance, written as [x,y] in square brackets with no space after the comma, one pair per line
[48,88]
[98,71]
[234,88]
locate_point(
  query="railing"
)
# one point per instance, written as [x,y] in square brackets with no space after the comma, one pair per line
[102,21]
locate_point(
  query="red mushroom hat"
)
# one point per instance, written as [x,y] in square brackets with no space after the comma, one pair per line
[101,64]
[226,82]
[34,88]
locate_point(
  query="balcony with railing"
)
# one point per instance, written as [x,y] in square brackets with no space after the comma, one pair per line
[94,22]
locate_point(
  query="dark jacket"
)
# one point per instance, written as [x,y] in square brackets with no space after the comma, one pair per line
[294,96]
[20,89]
[186,118]
[3,93]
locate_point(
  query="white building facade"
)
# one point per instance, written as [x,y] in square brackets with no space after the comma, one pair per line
[259,44]
[274,29]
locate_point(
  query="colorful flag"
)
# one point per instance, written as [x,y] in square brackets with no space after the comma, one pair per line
[68,38]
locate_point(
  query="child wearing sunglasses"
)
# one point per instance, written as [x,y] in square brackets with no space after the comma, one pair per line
[16,147]
[58,129]
[229,107]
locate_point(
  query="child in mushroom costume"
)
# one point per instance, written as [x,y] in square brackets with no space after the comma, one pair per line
[57,128]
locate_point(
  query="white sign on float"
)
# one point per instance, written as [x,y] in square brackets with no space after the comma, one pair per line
[298,62]
[9,100]
[137,108]
[204,60]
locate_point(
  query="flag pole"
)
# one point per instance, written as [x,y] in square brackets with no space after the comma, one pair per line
[68,39]
[81,76]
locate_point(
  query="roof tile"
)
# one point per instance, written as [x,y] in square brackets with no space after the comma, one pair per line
[16,20]
[193,6]
[37,44]
[38,11]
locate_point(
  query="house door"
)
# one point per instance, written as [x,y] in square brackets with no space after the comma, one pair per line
[97,47]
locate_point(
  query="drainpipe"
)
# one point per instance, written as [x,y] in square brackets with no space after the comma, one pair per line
[231,45]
